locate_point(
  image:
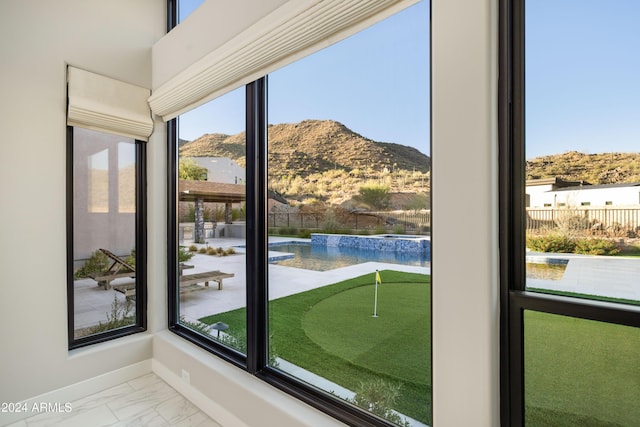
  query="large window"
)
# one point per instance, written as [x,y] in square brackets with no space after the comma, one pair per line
[312,228]
[569,213]
[106,236]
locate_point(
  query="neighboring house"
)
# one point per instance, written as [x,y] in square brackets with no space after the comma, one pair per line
[222,170]
[555,192]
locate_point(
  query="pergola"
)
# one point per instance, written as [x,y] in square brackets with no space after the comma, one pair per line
[201,192]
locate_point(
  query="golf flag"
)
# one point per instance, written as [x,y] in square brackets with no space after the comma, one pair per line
[378,279]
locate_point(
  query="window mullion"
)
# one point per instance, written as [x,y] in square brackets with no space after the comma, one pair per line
[256,99]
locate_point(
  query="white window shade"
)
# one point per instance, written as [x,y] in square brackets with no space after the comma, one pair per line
[100,103]
[292,31]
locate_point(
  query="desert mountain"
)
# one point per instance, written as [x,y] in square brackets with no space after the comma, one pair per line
[604,168]
[313,146]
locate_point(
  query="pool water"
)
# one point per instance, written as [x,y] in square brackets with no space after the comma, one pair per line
[323,258]
[546,271]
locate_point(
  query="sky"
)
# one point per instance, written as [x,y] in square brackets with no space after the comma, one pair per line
[582,81]
[582,76]
[375,82]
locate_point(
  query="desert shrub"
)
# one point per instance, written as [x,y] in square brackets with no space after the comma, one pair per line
[193,248]
[211,251]
[119,316]
[330,223]
[596,247]
[184,255]
[229,251]
[558,243]
[202,250]
[380,229]
[398,229]
[379,397]
[131,258]
[97,263]
[287,231]
[375,195]
[197,326]
[304,233]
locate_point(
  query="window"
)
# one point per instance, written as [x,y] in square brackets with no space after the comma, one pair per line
[106,236]
[556,322]
[318,170]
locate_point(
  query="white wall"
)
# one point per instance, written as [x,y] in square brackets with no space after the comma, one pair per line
[38,38]
[464,247]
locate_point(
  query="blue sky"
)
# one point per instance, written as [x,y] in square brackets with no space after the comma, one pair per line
[582,76]
[375,82]
[582,81]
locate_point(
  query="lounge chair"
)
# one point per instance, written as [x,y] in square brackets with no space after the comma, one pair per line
[119,268]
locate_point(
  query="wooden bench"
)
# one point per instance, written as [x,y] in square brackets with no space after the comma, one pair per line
[187,281]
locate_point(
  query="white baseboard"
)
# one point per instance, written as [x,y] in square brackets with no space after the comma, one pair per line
[215,411]
[83,388]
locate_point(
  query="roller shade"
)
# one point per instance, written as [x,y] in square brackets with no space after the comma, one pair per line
[104,104]
[294,30]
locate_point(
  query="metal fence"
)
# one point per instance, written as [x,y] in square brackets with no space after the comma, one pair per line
[613,222]
[412,221]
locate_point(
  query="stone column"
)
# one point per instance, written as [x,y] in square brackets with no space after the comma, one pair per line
[198,232]
[228,217]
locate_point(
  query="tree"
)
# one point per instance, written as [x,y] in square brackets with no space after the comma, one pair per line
[376,196]
[189,169]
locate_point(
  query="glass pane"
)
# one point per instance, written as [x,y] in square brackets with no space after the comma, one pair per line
[212,222]
[348,171]
[583,159]
[186,7]
[580,372]
[104,230]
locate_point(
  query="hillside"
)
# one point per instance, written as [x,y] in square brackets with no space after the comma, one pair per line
[604,168]
[313,146]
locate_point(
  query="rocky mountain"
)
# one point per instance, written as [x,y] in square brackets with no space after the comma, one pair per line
[604,168]
[313,146]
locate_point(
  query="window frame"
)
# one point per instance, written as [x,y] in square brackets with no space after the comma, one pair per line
[514,298]
[255,361]
[140,246]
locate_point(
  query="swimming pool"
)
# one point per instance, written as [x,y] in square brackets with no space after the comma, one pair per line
[323,258]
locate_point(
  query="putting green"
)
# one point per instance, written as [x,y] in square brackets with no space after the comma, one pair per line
[396,343]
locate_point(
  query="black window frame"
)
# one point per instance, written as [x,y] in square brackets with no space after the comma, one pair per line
[514,298]
[256,360]
[141,251]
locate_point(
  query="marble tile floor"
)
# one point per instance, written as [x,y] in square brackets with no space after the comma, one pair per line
[146,401]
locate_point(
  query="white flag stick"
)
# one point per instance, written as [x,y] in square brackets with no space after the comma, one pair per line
[375,300]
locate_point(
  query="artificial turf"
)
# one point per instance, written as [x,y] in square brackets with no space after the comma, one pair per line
[580,372]
[331,331]
[577,372]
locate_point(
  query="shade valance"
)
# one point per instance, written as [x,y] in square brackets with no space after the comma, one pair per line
[292,31]
[107,105]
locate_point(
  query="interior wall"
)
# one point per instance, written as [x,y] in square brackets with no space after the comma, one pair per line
[464,213]
[39,38]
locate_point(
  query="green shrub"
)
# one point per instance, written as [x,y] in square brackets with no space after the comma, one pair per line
[184,255]
[596,247]
[119,317]
[379,397]
[557,243]
[287,231]
[304,233]
[97,263]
